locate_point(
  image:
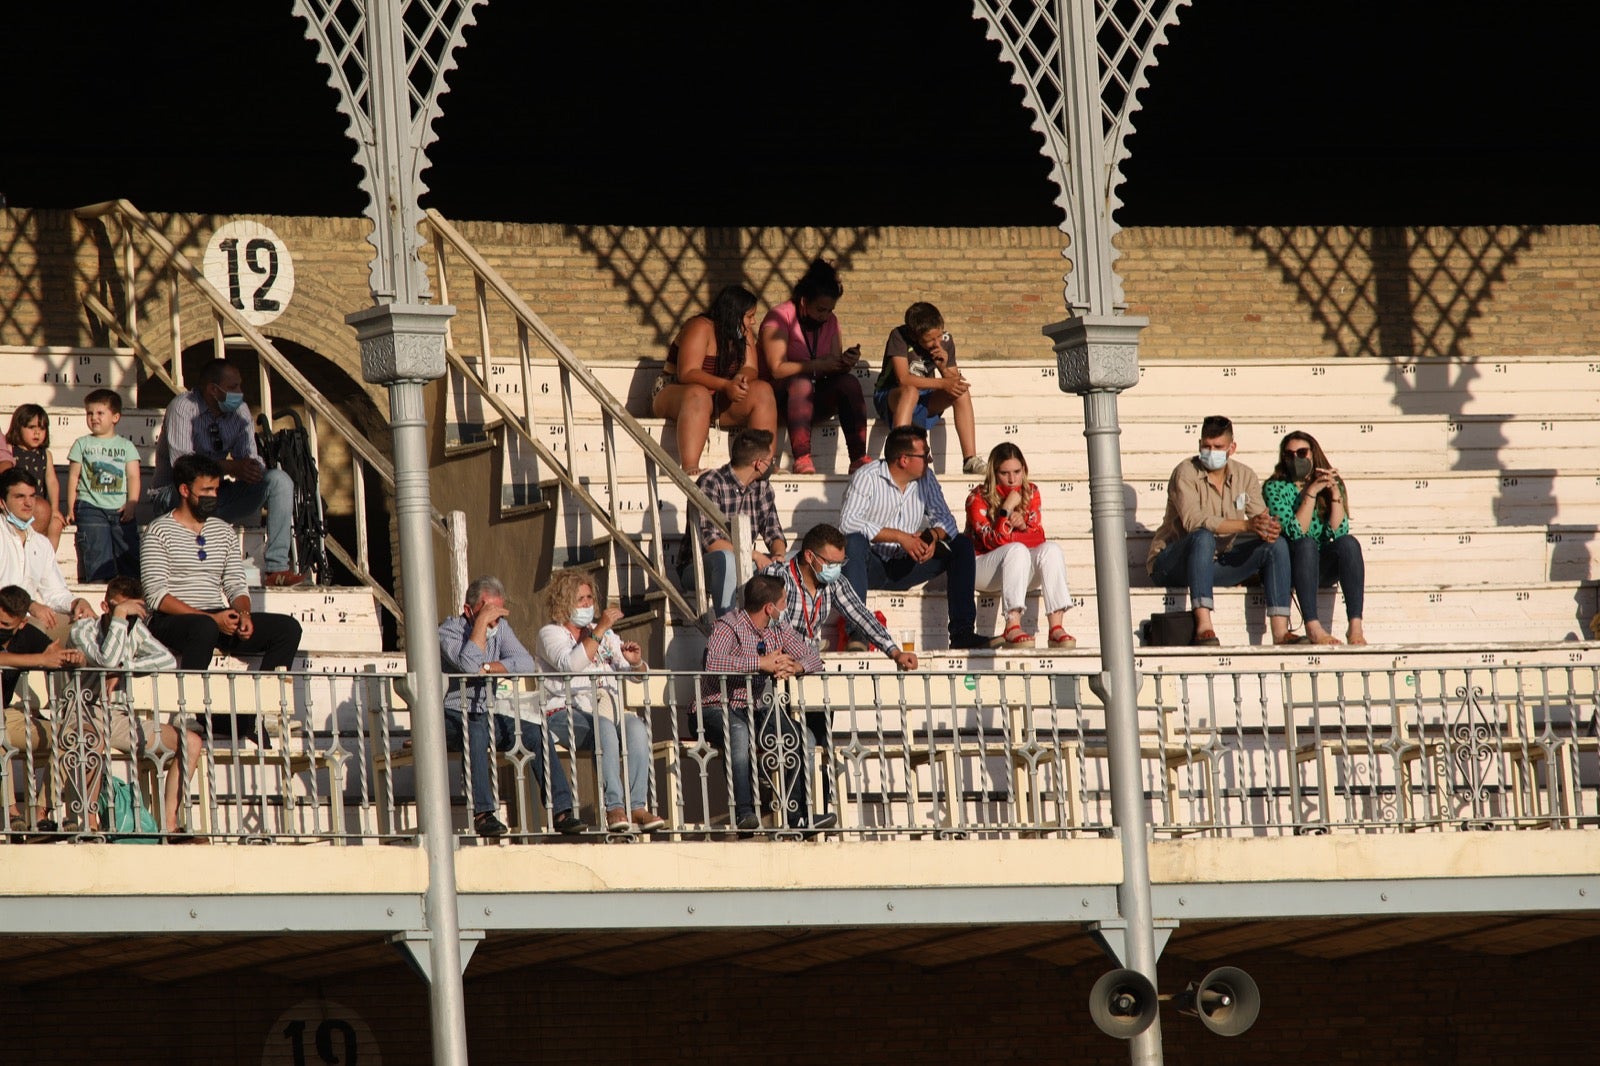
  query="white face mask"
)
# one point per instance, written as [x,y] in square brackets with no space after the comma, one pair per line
[583,617]
[492,630]
[1213,458]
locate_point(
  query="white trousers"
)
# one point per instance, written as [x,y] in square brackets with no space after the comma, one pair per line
[1012,569]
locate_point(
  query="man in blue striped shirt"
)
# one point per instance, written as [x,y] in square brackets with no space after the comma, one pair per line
[901,533]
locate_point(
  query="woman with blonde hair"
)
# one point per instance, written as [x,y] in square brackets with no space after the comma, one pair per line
[1308,498]
[1006,527]
[580,654]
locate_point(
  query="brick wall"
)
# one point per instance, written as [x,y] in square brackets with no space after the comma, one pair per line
[1421,1006]
[613,292]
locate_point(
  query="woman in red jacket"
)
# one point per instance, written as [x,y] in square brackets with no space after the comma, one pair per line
[1007,530]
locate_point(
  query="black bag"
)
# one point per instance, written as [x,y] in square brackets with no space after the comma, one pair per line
[289,450]
[1169,629]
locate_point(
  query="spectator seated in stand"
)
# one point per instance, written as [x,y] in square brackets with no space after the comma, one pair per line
[711,375]
[214,421]
[920,381]
[194,584]
[28,560]
[121,643]
[1005,521]
[742,486]
[25,647]
[27,447]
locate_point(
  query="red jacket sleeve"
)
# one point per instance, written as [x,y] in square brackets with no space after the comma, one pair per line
[980,528]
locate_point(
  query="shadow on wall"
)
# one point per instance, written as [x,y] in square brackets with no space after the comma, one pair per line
[40,302]
[672,272]
[1409,296]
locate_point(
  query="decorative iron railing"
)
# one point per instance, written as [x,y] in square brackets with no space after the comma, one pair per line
[1014,751]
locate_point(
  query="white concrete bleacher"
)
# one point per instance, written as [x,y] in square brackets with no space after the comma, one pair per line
[1473,486]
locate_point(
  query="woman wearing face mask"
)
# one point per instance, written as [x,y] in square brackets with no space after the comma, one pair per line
[1307,496]
[811,370]
[580,653]
[711,375]
[1006,527]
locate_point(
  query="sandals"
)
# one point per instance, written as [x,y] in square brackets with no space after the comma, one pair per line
[803,465]
[1289,638]
[1014,636]
[1060,638]
[1206,638]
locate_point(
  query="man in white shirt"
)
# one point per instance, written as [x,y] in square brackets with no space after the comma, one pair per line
[900,532]
[28,561]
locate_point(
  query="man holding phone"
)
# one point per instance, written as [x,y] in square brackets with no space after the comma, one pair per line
[1217,531]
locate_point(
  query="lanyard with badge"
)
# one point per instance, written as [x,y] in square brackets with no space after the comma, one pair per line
[809,619]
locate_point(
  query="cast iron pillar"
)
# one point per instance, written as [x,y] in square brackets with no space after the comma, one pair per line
[387,60]
[1081,64]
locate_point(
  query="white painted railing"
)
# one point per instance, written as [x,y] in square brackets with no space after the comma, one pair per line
[1274,750]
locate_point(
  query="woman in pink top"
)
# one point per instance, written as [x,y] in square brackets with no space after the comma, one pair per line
[812,376]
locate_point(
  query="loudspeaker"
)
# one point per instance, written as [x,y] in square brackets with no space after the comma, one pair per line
[1123,1004]
[1226,1001]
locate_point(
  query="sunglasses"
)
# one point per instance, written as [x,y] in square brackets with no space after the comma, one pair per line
[200,546]
[1298,453]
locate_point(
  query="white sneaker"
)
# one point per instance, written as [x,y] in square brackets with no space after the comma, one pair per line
[976,465]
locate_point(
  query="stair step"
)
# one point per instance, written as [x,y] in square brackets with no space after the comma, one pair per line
[1534,612]
[1299,389]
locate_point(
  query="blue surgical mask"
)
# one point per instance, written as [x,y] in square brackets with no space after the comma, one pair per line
[1213,458]
[830,573]
[20,523]
[583,617]
[231,402]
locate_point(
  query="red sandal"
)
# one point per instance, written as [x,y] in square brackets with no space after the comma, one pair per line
[1060,638]
[1014,635]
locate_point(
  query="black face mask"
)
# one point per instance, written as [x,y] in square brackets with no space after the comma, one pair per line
[1300,467]
[203,506]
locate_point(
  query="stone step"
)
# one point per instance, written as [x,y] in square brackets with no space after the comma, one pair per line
[1497,554]
[1298,389]
[1418,446]
[1543,612]
[333,619]
[61,377]
[1464,499]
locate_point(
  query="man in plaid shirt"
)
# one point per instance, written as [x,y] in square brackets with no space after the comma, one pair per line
[740,487]
[752,649]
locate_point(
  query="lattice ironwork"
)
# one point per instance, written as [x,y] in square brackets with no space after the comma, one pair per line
[1086,141]
[351,37]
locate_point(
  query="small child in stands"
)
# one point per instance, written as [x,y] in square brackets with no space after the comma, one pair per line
[102,492]
[28,446]
[121,640]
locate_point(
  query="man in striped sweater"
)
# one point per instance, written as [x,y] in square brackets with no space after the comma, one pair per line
[193,579]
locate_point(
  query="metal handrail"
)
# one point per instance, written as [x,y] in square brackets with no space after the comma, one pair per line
[132,220]
[485,279]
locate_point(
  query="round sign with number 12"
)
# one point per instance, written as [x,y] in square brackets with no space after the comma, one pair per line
[250,266]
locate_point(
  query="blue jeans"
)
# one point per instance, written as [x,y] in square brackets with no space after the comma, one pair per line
[1321,564]
[1193,560]
[865,568]
[576,731]
[238,502]
[107,546]
[545,761]
[721,586]
[785,754]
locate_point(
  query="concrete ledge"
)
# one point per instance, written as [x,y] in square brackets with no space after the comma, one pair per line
[1415,856]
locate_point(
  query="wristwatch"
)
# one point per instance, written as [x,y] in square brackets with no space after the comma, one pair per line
[1001,512]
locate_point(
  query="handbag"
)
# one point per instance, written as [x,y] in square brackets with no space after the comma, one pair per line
[127,820]
[1169,629]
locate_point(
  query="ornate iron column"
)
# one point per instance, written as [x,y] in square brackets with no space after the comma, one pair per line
[388,60]
[1081,64]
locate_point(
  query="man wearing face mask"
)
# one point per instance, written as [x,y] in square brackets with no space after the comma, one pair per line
[213,420]
[755,650]
[28,560]
[1217,531]
[194,585]
[740,487]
